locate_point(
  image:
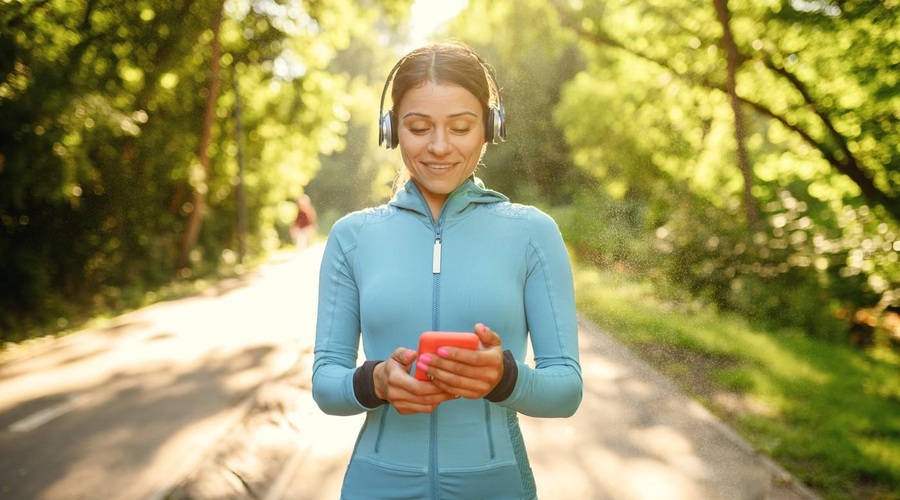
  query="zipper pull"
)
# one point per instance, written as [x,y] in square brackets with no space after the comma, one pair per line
[436,257]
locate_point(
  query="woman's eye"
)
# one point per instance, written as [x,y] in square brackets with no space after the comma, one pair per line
[418,131]
[461,131]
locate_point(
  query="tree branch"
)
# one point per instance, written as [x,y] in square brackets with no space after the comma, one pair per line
[847,166]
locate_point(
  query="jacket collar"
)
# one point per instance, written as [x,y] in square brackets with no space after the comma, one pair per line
[470,193]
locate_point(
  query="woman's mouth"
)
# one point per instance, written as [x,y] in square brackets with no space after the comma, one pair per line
[439,166]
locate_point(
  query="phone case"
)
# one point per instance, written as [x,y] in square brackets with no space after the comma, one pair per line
[430,342]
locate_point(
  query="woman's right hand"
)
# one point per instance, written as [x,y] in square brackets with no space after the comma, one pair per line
[404,392]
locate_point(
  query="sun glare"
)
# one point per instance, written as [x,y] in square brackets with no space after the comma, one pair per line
[427,16]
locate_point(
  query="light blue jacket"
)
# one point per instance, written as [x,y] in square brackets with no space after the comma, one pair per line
[501,264]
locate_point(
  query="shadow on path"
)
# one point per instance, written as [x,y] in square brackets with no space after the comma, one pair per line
[635,436]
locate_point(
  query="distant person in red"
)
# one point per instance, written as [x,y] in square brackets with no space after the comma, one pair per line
[304,226]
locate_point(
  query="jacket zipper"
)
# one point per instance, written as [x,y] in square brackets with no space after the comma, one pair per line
[435,325]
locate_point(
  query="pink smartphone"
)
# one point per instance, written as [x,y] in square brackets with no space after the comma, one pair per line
[430,342]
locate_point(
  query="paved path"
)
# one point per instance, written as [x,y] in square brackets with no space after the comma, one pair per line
[125,408]
[635,436]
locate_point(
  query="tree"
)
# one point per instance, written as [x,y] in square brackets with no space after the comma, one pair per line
[212,95]
[83,93]
[733,59]
[532,62]
[811,115]
[108,109]
[658,82]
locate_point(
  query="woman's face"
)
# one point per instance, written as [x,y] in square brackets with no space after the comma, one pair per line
[441,136]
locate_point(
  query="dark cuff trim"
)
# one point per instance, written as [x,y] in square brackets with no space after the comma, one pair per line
[507,382]
[364,385]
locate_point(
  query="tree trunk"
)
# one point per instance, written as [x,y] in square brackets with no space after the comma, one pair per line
[195,219]
[733,59]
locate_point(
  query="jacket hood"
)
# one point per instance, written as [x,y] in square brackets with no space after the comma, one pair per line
[469,193]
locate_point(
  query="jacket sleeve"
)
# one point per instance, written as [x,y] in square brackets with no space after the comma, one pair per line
[337,325]
[553,387]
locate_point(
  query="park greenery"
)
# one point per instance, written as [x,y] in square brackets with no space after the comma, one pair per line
[726,174]
[823,411]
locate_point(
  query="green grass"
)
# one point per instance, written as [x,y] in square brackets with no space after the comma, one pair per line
[828,413]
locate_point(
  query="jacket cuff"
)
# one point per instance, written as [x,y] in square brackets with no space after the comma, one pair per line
[507,382]
[364,385]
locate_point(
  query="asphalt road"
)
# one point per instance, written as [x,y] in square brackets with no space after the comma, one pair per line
[128,408]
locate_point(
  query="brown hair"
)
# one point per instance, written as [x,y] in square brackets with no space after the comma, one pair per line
[445,63]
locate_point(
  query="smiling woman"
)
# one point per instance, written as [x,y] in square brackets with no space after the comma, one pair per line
[445,254]
[441,139]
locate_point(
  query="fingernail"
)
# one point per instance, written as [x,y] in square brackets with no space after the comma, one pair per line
[409,353]
[425,358]
[442,352]
[422,366]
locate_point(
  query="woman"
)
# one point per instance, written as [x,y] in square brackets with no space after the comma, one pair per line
[445,254]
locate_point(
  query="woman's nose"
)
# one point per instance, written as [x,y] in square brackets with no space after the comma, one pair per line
[439,144]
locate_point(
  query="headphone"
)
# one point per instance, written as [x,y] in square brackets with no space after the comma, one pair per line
[495,126]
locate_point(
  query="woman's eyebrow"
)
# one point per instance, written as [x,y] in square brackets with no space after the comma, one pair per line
[462,113]
[454,115]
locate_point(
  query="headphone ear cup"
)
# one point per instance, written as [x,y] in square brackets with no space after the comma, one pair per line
[489,135]
[496,125]
[395,131]
[387,132]
[501,120]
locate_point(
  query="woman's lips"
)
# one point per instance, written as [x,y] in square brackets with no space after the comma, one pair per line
[439,166]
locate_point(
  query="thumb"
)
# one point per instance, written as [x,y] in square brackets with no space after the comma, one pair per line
[404,356]
[488,337]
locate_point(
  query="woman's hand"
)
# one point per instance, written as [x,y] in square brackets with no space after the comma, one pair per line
[467,373]
[404,392]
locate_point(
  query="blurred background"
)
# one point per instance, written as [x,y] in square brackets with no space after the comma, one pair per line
[734,159]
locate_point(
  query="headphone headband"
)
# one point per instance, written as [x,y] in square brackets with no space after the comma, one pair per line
[495,122]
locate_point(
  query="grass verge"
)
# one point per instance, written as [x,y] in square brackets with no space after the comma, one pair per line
[830,414]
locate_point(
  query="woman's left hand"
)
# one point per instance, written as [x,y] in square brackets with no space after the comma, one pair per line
[464,372]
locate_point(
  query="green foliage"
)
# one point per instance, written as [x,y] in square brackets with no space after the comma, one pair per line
[101,107]
[608,232]
[779,389]
[532,61]
[82,158]
[361,174]
[649,119]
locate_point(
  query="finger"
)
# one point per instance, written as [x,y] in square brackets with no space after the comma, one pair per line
[410,408]
[456,384]
[467,373]
[392,379]
[457,359]
[488,337]
[427,391]
[424,402]
[404,356]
